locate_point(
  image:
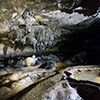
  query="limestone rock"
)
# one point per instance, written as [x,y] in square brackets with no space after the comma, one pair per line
[22,84]
[40,19]
[62,91]
[5,93]
[66,18]
[30,61]
[15,77]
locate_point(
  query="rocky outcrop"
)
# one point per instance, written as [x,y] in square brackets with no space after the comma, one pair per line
[39,31]
[14,81]
[61,91]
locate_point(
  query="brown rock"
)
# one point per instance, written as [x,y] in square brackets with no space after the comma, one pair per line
[5,93]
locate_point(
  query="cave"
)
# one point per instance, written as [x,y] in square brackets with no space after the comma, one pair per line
[49,47]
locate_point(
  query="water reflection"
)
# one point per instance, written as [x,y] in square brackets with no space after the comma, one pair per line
[88,76]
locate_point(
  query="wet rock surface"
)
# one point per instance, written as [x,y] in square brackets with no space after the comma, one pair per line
[39,32]
[35,82]
[62,91]
[15,80]
[81,69]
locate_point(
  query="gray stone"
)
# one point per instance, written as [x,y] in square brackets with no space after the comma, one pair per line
[62,91]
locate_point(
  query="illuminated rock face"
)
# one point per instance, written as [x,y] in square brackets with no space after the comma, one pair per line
[39,32]
[62,91]
[65,93]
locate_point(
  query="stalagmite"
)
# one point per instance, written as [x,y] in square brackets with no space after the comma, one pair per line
[30,61]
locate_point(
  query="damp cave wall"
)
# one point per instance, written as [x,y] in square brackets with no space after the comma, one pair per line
[86,39]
